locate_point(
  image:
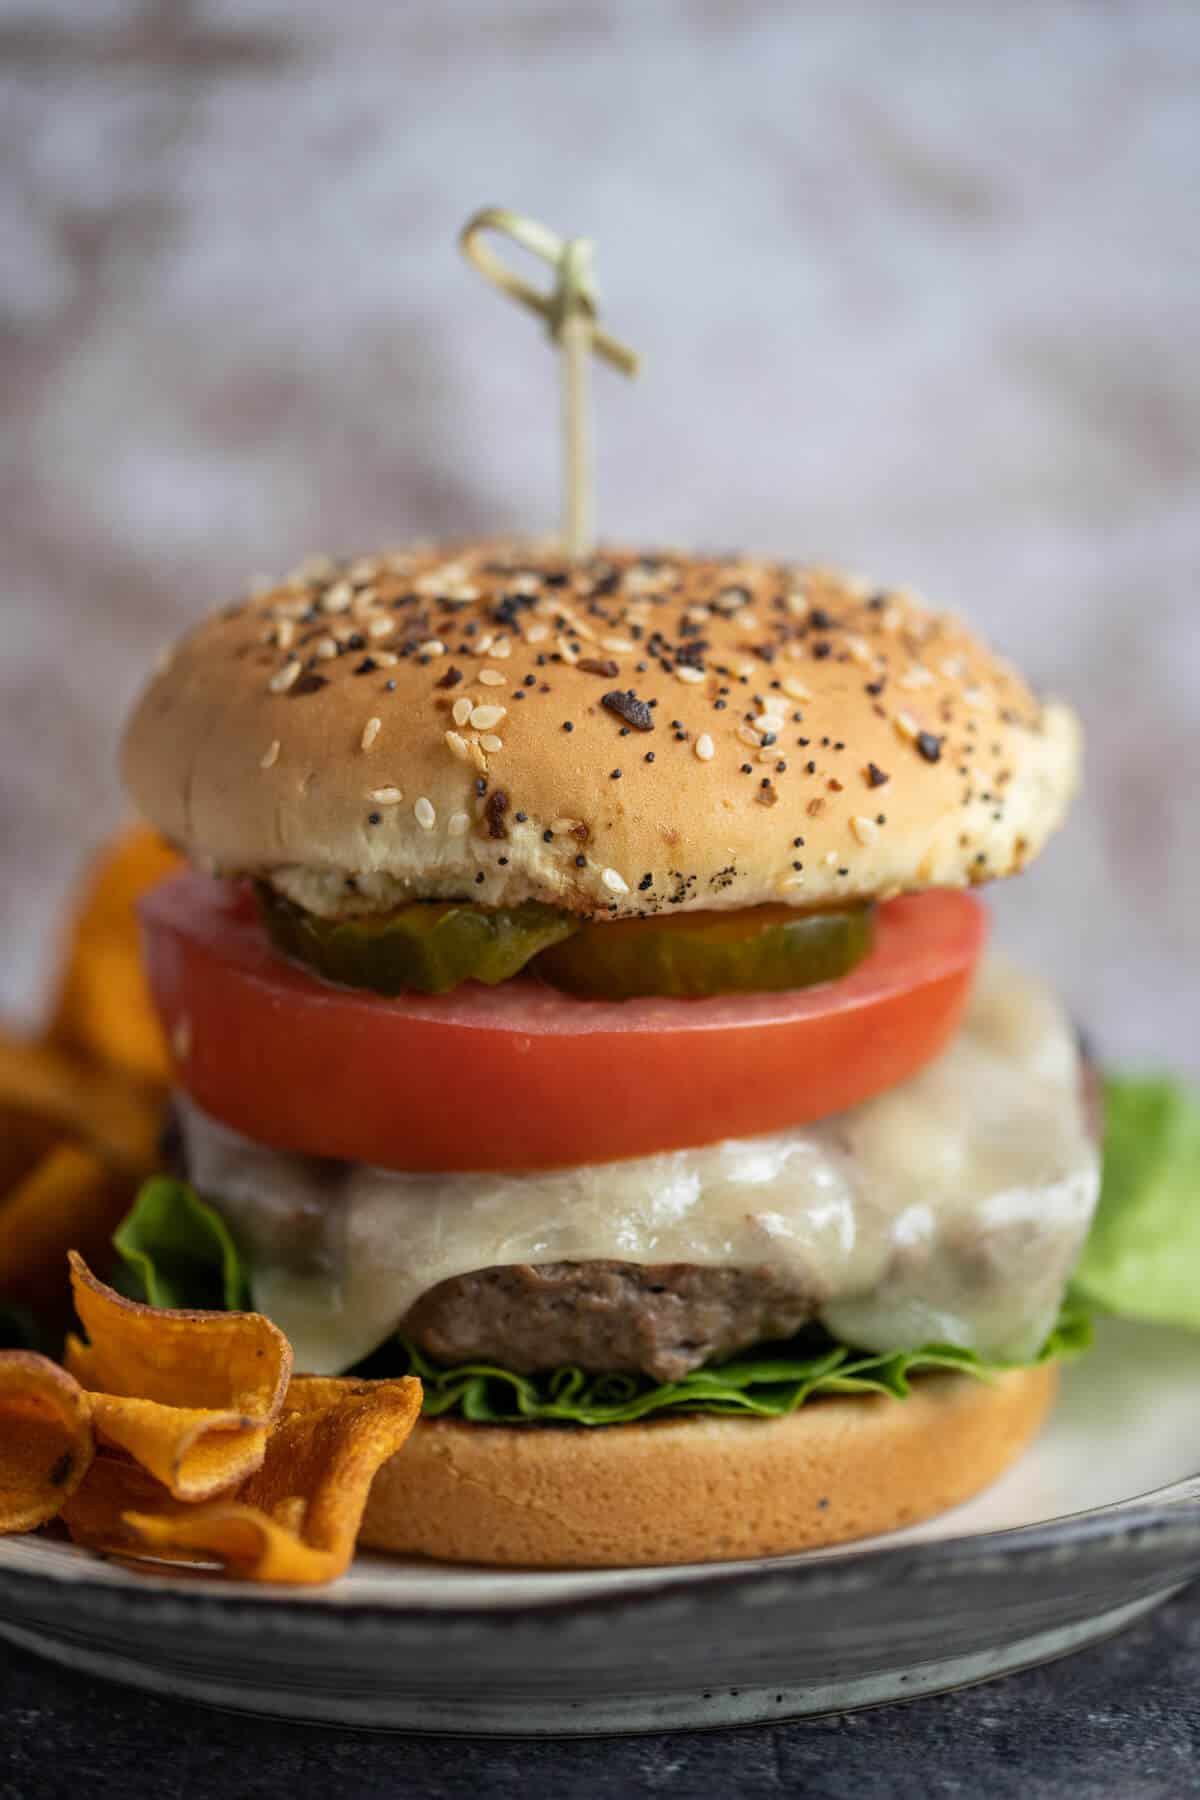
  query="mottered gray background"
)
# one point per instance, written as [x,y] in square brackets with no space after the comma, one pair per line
[917,286]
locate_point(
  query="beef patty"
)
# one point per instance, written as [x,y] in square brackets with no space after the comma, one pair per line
[656,1319]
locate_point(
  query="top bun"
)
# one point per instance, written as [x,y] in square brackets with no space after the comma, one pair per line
[632,732]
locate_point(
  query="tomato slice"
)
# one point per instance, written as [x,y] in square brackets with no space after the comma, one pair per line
[520,1075]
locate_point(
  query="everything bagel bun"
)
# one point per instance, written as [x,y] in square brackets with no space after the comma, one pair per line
[634,732]
[702,1489]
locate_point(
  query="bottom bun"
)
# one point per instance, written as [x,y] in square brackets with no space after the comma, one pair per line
[701,1489]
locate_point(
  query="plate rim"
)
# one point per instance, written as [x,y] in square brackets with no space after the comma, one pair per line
[1165,1521]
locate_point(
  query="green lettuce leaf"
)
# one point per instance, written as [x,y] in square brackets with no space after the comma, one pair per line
[774,1380]
[176,1251]
[1142,1257]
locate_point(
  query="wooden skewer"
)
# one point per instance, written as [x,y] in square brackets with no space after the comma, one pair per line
[570,314]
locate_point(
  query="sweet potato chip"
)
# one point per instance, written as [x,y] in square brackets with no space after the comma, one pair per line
[190,1395]
[94,1514]
[96,1106]
[297,1519]
[318,1393]
[72,1197]
[194,1453]
[236,1362]
[46,1441]
[103,1009]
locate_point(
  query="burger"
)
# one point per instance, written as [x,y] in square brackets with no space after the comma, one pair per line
[579,998]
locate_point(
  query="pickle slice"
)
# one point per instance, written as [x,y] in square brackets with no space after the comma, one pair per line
[690,955]
[427,947]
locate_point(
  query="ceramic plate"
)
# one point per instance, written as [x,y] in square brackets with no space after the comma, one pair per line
[1096,1524]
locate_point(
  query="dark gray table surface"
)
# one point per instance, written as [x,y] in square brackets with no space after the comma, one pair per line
[1121,1720]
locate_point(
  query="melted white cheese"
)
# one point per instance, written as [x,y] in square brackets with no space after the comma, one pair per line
[951,1209]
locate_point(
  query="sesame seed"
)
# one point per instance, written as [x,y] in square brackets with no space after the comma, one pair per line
[563,826]
[385,796]
[704,747]
[485,643]
[791,881]
[381,626]
[425,815]
[566,650]
[615,883]
[620,646]
[536,634]
[484,717]
[462,709]
[371,731]
[907,726]
[865,830]
[686,672]
[489,741]
[749,736]
[283,678]
[270,755]
[916,677]
[326,648]
[795,690]
[491,678]
[502,649]
[458,824]
[337,598]
[459,746]
[285,631]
